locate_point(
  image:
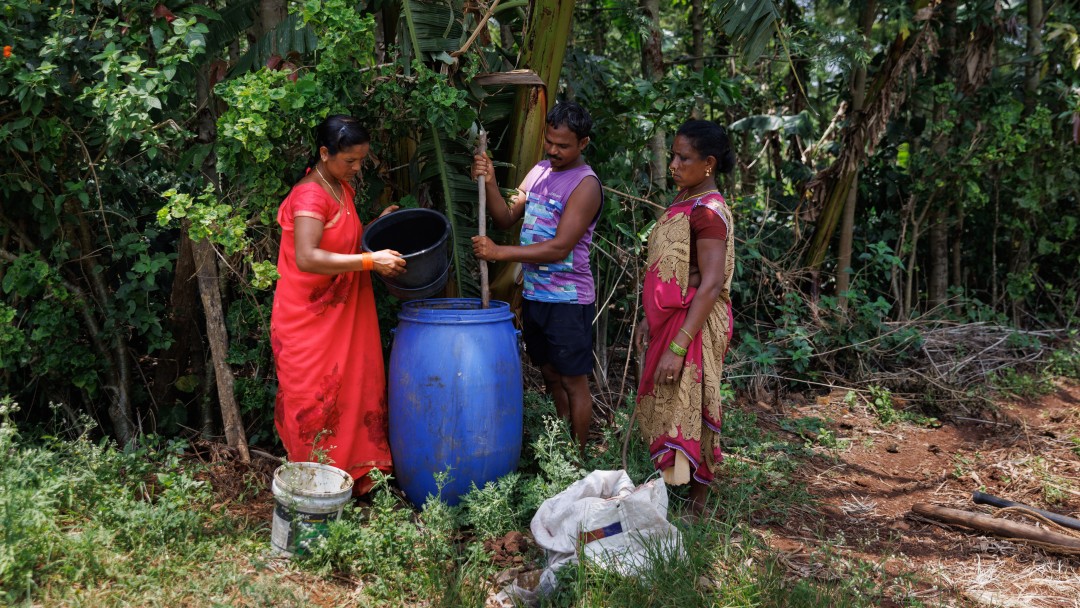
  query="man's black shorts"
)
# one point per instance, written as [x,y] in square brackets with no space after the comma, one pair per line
[559,334]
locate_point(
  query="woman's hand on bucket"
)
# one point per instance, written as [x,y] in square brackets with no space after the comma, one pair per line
[390,209]
[388,263]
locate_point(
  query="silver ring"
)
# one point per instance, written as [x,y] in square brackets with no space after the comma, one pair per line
[671,377]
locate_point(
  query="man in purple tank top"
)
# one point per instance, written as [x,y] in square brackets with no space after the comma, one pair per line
[558,203]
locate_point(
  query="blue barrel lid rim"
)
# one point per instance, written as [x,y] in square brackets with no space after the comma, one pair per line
[454,311]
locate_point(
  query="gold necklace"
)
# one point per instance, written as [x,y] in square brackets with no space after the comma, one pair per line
[699,195]
[333,193]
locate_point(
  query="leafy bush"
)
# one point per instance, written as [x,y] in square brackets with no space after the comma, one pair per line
[496,508]
[402,556]
[68,507]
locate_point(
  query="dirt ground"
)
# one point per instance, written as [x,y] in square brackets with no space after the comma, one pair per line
[1025,451]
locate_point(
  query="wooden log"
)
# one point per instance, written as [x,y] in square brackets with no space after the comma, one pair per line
[980,498]
[995,525]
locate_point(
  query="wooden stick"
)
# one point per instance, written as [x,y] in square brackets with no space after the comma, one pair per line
[995,525]
[479,27]
[485,290]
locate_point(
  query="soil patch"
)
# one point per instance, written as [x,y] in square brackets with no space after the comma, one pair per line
[871,474]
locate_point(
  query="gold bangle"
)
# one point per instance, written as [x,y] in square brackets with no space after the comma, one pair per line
[367,262]
[687,334]
[678,350]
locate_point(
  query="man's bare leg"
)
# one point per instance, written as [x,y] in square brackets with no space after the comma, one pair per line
[573,402]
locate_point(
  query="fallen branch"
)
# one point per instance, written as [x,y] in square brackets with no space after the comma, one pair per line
[1010,530]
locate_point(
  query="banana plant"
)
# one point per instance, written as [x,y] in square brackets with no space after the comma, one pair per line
[436,34]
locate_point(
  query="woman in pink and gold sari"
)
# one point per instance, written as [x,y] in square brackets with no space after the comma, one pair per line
[688,319]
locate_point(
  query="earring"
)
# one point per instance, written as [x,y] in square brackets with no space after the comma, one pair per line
[708,172]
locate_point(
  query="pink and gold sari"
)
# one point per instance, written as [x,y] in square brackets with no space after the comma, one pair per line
[684,417]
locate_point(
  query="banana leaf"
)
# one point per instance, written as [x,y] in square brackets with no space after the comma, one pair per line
[282,40]
[442,160]
[751,24]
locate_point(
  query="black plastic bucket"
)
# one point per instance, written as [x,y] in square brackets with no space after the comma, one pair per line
[422,237]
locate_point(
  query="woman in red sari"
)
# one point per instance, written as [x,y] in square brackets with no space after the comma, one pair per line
[331,399]
[688,314]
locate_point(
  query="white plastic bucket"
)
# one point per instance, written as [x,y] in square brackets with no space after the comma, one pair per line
[307,497]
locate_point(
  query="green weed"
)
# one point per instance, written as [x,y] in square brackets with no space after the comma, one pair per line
[496,508]
[81,513]
[1023,385]
[814,431]
[1066,361]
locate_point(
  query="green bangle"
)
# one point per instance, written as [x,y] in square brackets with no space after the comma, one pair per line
[678,350]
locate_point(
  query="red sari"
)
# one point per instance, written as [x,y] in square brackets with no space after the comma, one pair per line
[331,399]
[684,417]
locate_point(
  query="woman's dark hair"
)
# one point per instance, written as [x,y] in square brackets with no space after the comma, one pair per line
[573,116]
[340,131]
[709,139]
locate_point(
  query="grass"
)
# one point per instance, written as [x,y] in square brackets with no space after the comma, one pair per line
[84,523]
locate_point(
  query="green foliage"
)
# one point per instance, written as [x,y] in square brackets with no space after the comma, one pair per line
[751,23]
[494,510]
[94,100]
[814,431]
[550,457]
[882,405]
[1066,361]
[407,557]
[47,324]
[69,507]
[346,39]
[12,341]
[1027,385]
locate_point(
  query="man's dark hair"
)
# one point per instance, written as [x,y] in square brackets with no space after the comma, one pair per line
[340,131]
[709,139]
[573,116]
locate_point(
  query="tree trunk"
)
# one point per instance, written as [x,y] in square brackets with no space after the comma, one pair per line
[1021,258]
[1033,68]
[956,270]
[697,35]
[847,225]
[993,243]
[206,269]
[938,279]
[182,324]
[652,69]
[799,73]
[121,409]
[271,13]
[697,51]
[829,188]
[217,335]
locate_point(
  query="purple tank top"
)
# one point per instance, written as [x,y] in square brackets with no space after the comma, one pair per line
[569,280]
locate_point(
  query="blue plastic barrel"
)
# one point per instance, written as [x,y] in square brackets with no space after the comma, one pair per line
[454,396]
